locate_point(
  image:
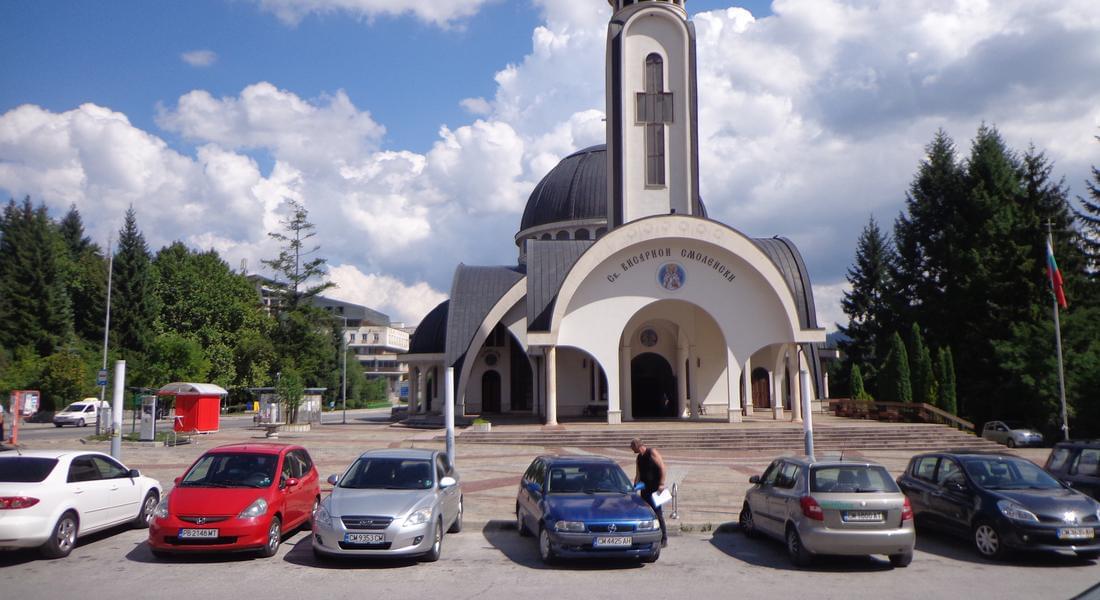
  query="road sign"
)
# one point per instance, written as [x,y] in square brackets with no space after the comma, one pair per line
[101,378]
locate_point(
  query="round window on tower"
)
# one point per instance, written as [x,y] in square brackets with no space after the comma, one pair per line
[491,359]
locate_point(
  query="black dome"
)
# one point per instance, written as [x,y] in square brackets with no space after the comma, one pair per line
[574,190]
[430,336]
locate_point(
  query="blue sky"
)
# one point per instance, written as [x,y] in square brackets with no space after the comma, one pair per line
[414,130]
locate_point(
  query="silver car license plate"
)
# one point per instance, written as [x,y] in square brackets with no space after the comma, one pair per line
[613,541]
[198,533]
[863,516]
[1076,533]
[364,538]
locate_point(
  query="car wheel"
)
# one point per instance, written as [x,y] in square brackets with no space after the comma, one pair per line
[145,514]
[457,525]
[799,555]
[546,550]
[901,560]
[1011,443]
[1089,554]
[988,541]
[81,423]
[63,538]
[652,558]
[437,543]
[274,538]
[748,525]
[521,527]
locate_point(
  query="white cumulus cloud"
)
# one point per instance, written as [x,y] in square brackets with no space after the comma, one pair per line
[199,58]
[437,12]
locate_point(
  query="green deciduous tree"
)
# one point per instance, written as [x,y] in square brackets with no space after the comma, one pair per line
[290,389]
[65,378]
[173,357]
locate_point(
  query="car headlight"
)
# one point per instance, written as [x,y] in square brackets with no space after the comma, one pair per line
[573,526]
[322,516]
[161,511]
[649,525]
[419,517]
[256,509]
[1016,512]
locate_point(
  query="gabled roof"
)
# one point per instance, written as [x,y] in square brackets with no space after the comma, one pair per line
[548,263]
[474,292]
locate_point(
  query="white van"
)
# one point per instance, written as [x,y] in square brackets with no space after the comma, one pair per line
[80,414]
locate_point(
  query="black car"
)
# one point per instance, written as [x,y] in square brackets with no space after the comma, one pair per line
[1001,503]
[1077,464]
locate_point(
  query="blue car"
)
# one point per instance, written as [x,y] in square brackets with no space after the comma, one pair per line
[585,507]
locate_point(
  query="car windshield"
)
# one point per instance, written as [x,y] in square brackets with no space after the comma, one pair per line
[1016,425]
[25,469]
[596,478]
[232,469]
[78,407]
[859,479]
[389,474]
[1003,473]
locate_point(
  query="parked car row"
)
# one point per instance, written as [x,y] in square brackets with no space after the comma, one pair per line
[401,502]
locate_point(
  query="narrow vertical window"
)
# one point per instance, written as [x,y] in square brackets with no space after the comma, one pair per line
[654,109]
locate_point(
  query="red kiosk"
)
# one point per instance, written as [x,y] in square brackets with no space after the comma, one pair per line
[198,405]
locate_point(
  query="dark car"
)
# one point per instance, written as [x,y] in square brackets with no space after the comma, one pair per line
[585,507]
[1077,464]
[1001,503]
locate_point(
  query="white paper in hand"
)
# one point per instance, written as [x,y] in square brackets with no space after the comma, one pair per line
[662,497]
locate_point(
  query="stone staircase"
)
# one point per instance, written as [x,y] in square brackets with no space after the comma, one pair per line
[879,436]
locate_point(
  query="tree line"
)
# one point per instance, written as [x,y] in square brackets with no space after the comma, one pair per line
[178,314]
[963,272]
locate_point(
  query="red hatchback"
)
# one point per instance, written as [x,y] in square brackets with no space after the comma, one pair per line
[237,497]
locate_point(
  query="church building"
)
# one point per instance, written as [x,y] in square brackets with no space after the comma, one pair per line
[626,301]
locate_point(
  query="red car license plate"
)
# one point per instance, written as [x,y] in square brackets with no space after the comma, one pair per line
[198,533]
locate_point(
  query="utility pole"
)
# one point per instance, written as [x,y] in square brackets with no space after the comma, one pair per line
[106,334]
[344,370]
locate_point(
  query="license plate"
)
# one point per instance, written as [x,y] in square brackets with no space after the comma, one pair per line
[364,538]
[1076,533]
[198,533]
[617,541]
[863,516]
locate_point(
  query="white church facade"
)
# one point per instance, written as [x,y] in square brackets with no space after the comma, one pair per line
[627,302]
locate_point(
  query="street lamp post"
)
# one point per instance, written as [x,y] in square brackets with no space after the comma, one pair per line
[344,370]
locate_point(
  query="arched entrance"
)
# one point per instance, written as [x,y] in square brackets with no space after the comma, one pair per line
[653,386]
[490,392]
[760,396]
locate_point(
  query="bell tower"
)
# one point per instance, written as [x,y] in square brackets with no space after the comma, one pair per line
[652,131]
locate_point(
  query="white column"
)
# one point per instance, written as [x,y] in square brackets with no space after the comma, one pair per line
[808,419]
[551,385]
[681,382]
[614,406]
[777,399]
[624,378]
[746,387]
[796,407]
[414,388]
[733,391]
[449,412]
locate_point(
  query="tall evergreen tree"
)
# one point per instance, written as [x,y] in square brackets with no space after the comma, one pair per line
[859,392]
[1089,217]
[85,277]
[134,306]
[945,378]
[294,270]
[865,303]
[35,309]
[920,368]
[894,384]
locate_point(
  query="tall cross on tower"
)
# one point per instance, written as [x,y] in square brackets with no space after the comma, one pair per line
[654,110]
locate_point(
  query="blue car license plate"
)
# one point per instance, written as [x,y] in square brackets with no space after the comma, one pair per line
[618,541]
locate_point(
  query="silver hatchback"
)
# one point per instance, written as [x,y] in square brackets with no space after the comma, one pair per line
[830,507]
[390,503]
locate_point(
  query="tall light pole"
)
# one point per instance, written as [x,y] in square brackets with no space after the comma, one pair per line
[344,370]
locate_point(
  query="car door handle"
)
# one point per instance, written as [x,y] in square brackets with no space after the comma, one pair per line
[78,491]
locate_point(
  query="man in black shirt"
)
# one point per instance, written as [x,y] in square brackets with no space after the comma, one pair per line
[651,473]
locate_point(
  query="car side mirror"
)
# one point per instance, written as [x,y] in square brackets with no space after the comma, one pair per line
[177,480]
[754,479]
[447,482]
[333,479]
[534,488]
[293,481]
[134,474]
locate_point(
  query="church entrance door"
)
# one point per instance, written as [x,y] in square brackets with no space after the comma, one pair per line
[653,387]
[760,396]
[490,392]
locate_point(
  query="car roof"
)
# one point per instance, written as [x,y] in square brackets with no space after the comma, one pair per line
[829,462]
[58,454]
[409,453]
[576,460]
[967,453]
[253,448]
[1078,443]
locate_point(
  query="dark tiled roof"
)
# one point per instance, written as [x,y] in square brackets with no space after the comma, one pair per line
[474,292]
[548,262]
[430,336]
[573,190]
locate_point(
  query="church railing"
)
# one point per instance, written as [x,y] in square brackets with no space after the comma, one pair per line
[897,411]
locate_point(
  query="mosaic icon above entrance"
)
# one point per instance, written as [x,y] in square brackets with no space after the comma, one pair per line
[671,276]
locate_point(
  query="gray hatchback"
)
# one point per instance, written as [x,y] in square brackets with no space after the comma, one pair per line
[830,507]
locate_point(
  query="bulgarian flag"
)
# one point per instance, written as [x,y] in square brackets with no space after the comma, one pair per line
[1055,275]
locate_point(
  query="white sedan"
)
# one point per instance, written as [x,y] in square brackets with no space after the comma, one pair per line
[49,498]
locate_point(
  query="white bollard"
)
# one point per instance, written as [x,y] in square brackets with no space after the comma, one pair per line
[116,412]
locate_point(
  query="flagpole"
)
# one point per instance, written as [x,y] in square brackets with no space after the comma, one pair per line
[1058,345]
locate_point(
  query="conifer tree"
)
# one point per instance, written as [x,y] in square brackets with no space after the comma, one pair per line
[865,302]
[858,391]
[85,277]
[920,368]
[894,379]
[134,306]
[1089,218]
[945,377]
[293,269]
